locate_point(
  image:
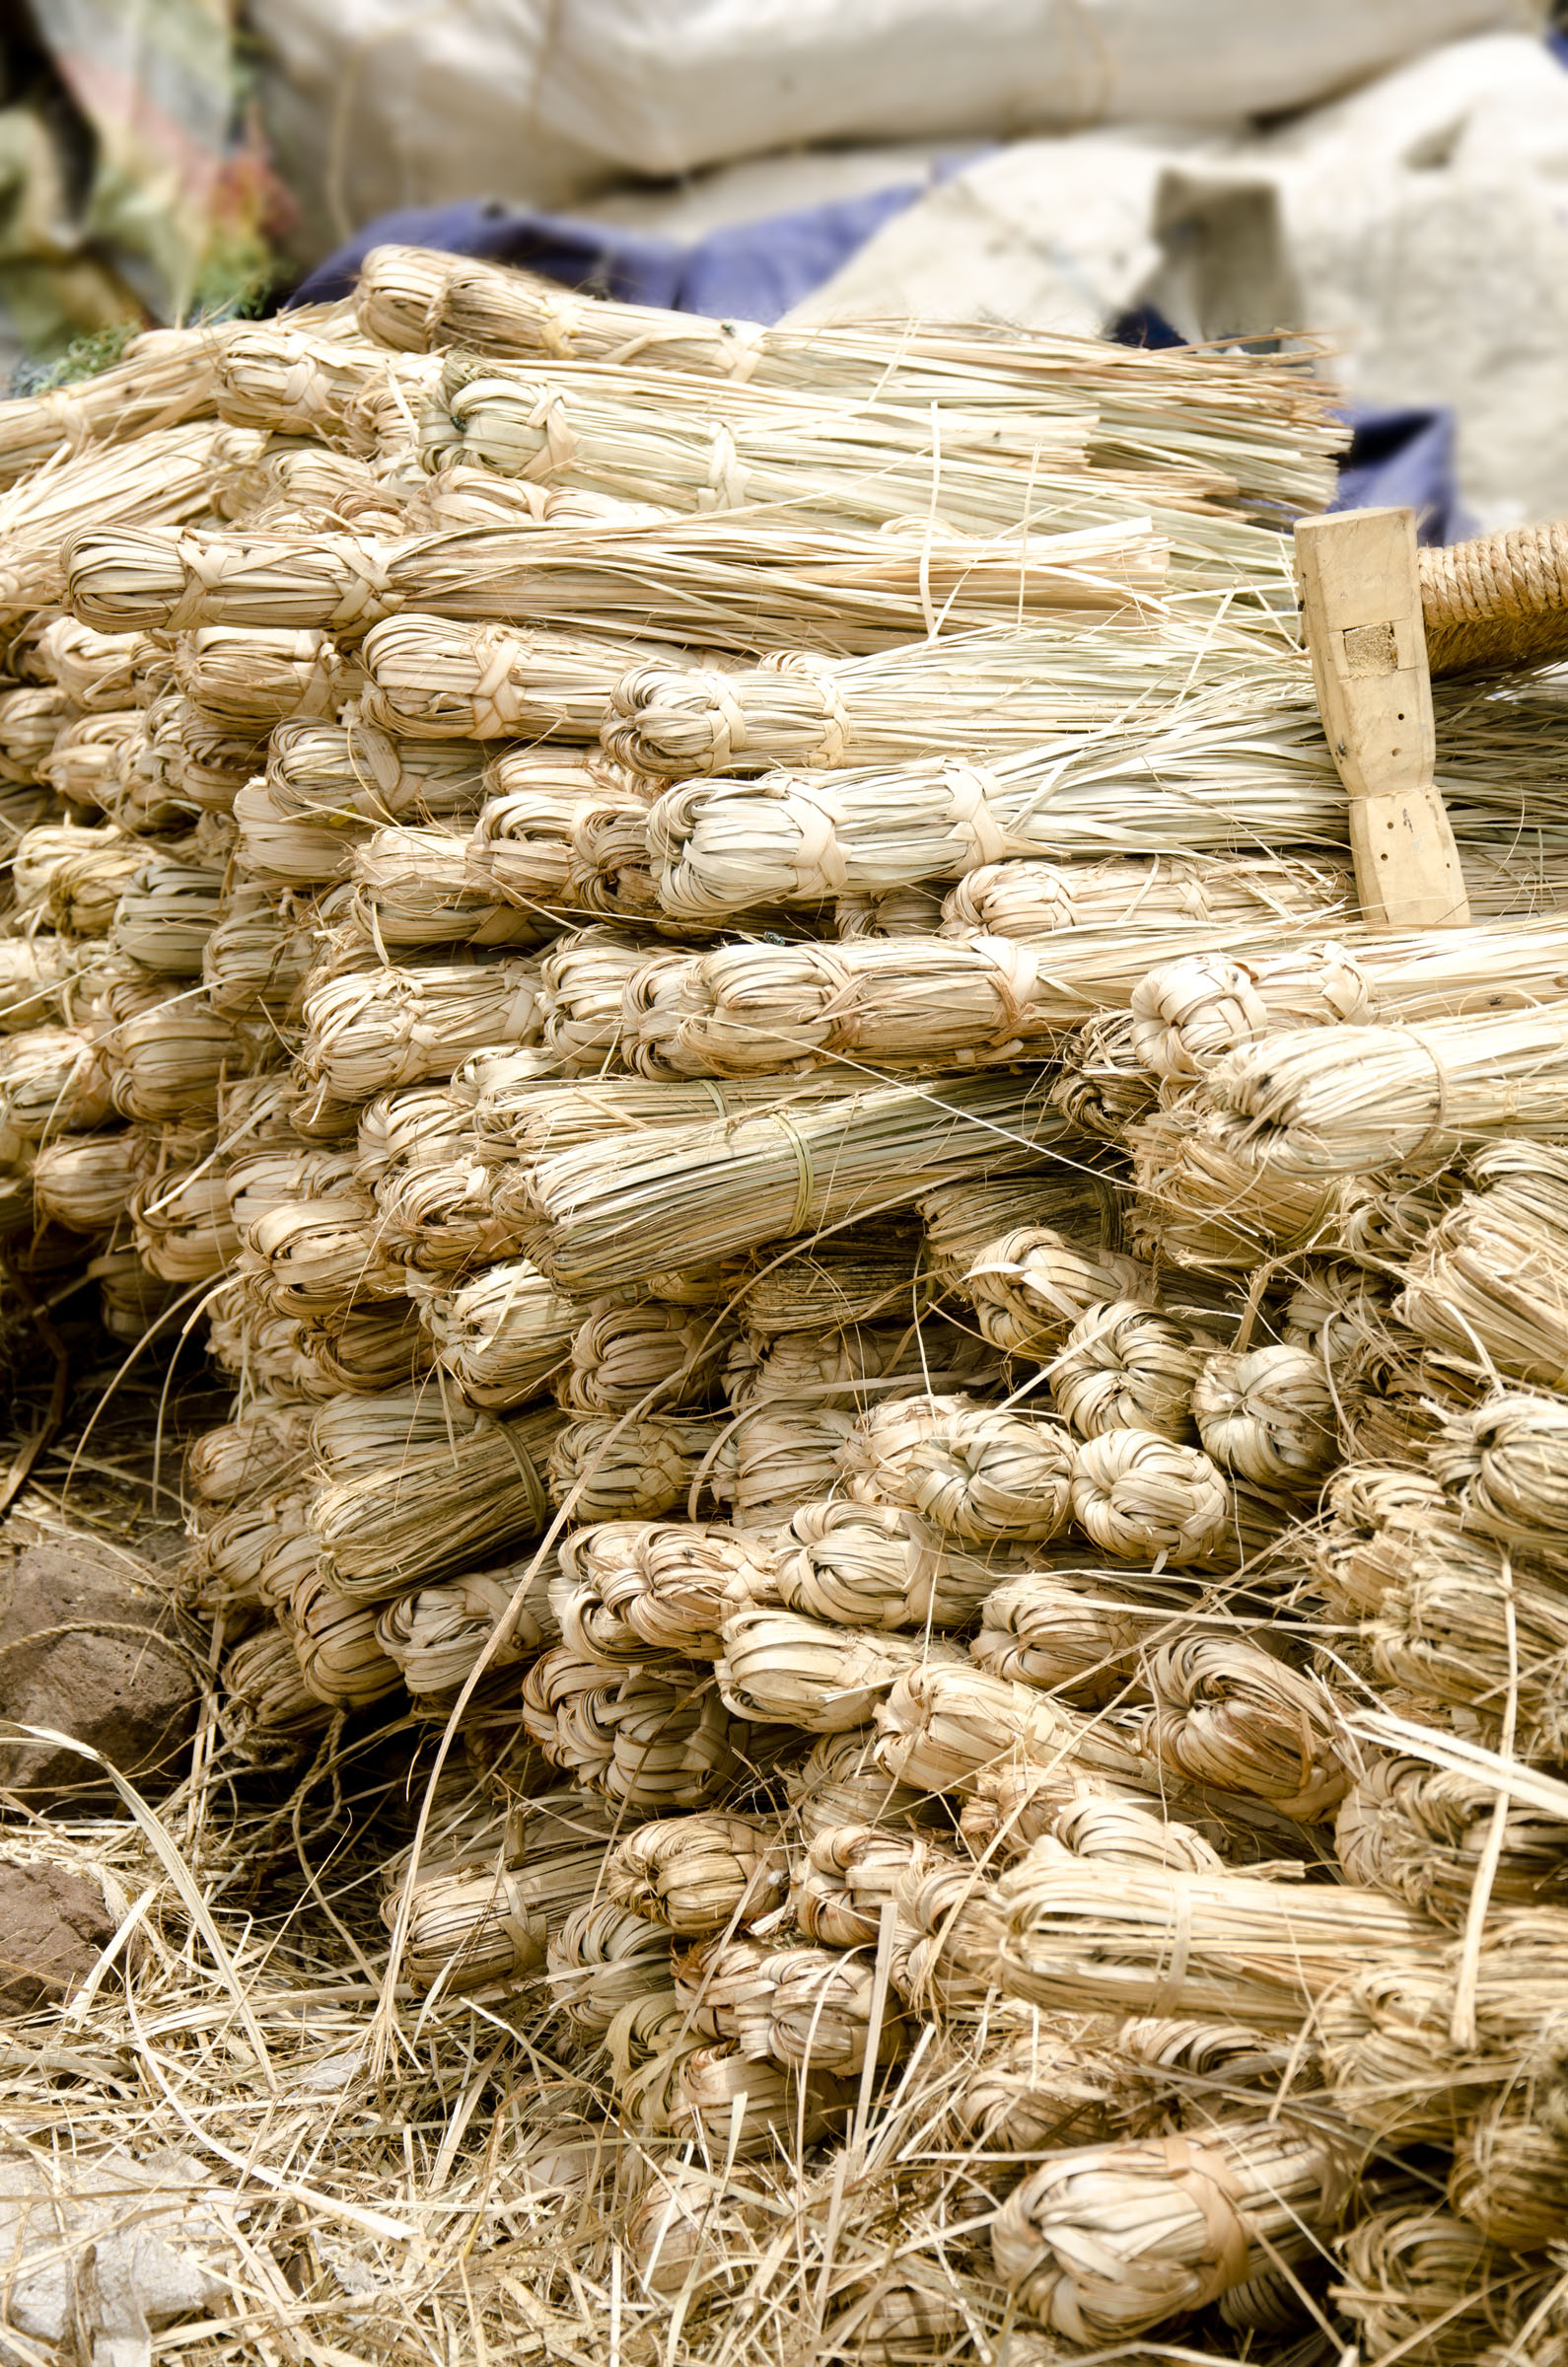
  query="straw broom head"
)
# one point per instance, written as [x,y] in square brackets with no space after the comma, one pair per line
[973,1472]
[1426,2286]
[242,1457]
[1505,1466]
[630,1469]
[1187,1013]
[1510,2177]
[340,1653]
[943,1723]
[1140,1498]
[268,1711]
[696,1876]
[1030,1287]
[436,1634]
[1268,1415]
[623,1355]
[853,1875]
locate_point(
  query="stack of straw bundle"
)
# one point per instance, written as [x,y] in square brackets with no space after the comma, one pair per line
[619,1013]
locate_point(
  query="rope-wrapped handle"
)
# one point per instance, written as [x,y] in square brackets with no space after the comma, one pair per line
[1501,601]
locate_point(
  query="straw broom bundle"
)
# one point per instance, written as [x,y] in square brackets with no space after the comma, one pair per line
[1127,1366]
[441,1220]
[1037,1630]
[1287,894]
[351,1440]
[502,1333]
[1419,1831]
[983,691]
[840,1366]
[42,853]
[1231,1716]
[369,1030]
[654,1742]
[878,1566]
[524,846]
[696,1876]
[1387,2033]
[87,762]
[1209,1197]
[340,1655]
[1510,2178]
[167,911]
[176,768]
[975,1473]
[436,1634]
[265,1709]
[899,912]
[944,1721]
[1030,1288]
[434,1510]
[414,888]
[254,1556]
[725,583]
[730,2105]
[246,681]
[257,957]
[858,1275]
[168,1062]
[36,979]
[840,1782]
[237,1457]
[777,1455]
[30,721]
[264,479]
[779,1668]
[820,2008]
[319,1257]
[1029,2084]
[583,979]
[633,1470]
[603,1960]
[1262,417]
[690,2230]
[1187,1013]
[591,1559]
[1268,1415]
[1080,1936]
[1110,2241]
[522,1116]
[163,377]
[84,1182]
[1450,1629]
[696,1193]
[130,1300]
[621,1355]
[300,381]
[473,1926]
[852,1874]
[53,1082]
[962,1218]
[360,1349]
[673,1583]
[435,676]
[1425,2285]
[182,1227]
[1142,1497]
[350,771]
[1481,1288]
[1505,1466]
[100,673]
[160,478]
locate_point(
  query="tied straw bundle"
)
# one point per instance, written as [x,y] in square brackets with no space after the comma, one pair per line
[163,377]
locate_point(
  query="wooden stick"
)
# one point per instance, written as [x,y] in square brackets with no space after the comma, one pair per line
[1361,596]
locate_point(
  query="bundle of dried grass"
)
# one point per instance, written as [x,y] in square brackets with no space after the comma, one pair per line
[130,1300]
[42,855]
[1146,1498]
[502,1334]
[846,1368]
[52,1081]
[100,673]
[1030,1288]
[1053,1632]
[954,696]
[241,1457]
[696,1876]
[266,1708]
[413,887]
[841,1782]
[368,1030]
[260,954]
[778,1667]
[351,772]
[474,1924]
[687,1194]
[299,378]
[1285,895]
[945,1721]
[601,1960]
[1461,1627]
[1420,1831]
[436,1634]
[615,1468]
[973,1472]
[880,1565]
[1233,1717]
[340,1654]
[163,377]
[254,1556]
[1268,1415]
[530,842]
[653,1742]
[181,1226]
[37,975]
[624,1358]
[437,675]
[1187,1013]
[1127,1366]
[160,478]
[246,681]
[1207,1194]
[1106,2242]
[1482,1287]
[853,1875]
[168,1061]
[317,1258]
[1268,419]
[85,1181]
[583,979]
[30,721]
[674,1583]
[1424,2285]
[779,1455]
[1503,1466]
[1510,2178]
[724,582]
[436,1509]
[86,765]
[165,913]
[1086,1937]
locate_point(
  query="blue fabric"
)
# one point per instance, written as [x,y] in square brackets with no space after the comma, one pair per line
[1403,460]
[1558,43]
[746,272]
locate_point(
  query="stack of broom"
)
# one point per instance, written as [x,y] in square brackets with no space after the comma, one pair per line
[723,964]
